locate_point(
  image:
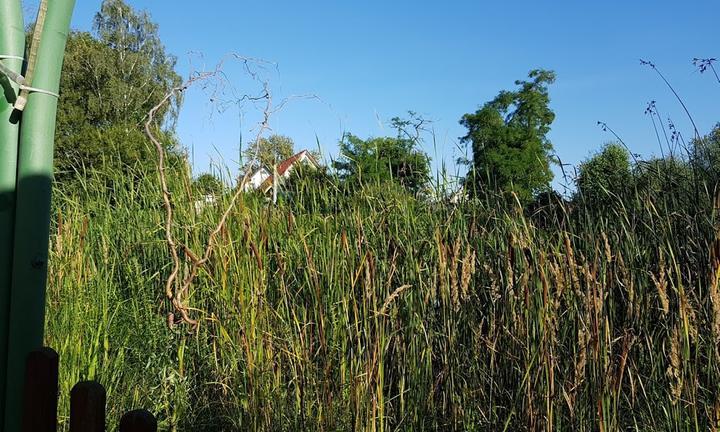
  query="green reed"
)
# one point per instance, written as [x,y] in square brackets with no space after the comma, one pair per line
[372,310]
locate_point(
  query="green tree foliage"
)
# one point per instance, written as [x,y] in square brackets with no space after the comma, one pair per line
[385,159]
[208,184]
[668,178]
[511,151]
[604,177]
[270,151]
[111,79]
[706,153]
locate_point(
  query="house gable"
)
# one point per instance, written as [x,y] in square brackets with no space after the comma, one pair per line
[286,167]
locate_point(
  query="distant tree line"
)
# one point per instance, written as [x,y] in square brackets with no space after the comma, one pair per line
[115,74]
[111,79]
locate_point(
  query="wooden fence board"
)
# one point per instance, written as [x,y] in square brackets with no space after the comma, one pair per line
[40,396]
[138,421]
[87,407]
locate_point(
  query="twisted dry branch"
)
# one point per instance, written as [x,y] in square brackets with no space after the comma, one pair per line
[176,290]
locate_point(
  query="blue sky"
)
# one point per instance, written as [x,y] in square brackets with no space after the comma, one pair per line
[369,61]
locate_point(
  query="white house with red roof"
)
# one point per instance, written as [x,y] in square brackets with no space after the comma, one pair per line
[263,179]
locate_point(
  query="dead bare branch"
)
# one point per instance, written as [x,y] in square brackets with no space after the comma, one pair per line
[175,289]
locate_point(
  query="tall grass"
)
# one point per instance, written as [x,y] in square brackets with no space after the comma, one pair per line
[376,311]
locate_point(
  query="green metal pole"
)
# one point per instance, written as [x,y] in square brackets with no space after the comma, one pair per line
[32,214]
[12,44]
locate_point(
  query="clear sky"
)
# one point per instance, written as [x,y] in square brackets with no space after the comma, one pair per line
[368,61]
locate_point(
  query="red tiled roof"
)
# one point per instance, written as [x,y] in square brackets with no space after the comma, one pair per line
[287,163]
[284,166]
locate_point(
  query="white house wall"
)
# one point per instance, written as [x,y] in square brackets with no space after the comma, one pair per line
[256,179]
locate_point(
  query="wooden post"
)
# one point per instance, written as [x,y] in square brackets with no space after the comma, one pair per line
[87,407]
[138,421]
[40,397]
[87,401]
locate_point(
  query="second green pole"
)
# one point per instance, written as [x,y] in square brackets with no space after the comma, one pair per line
[32,214]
